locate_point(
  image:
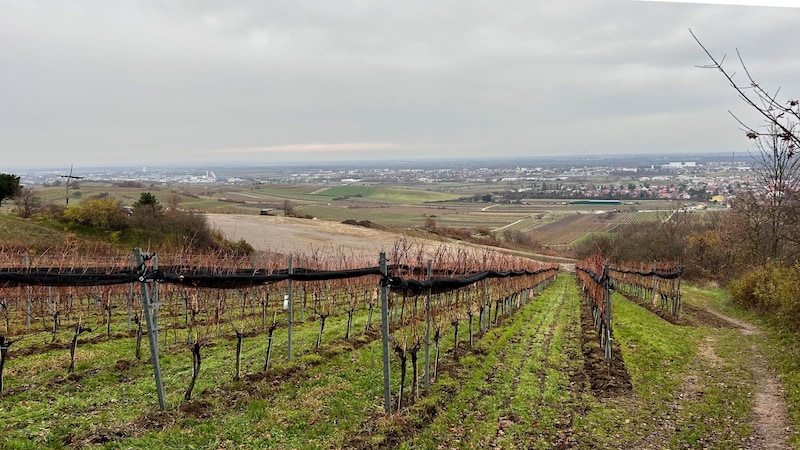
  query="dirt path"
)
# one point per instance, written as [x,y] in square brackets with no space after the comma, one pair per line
[771,422]
[509,225]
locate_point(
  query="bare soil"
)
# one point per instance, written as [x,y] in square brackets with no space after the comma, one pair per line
[606,380]
[293,235]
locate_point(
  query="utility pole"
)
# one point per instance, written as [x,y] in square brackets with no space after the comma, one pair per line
[69,178]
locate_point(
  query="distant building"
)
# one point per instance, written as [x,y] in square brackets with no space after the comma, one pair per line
[679,165]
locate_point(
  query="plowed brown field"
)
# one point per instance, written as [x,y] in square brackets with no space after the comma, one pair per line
[292,235]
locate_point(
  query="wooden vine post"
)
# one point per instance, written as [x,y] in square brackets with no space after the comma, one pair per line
[269,339]
[130,295]
[655,282]
[152,332]
[4,344]
[74,345]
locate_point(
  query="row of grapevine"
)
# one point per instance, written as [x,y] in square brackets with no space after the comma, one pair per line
[198,298]
[478,299]
[660,285]
[596,286]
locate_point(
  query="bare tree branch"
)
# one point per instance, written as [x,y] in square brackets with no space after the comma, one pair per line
[784,117]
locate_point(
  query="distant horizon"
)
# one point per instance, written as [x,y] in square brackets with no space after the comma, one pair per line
[393,161]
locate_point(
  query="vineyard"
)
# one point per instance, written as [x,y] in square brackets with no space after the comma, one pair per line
[197,300]
[598,279]
[422,346]
[569,229]
[660,285]
[573,227]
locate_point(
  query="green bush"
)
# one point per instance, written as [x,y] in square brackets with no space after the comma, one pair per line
[148,226]
[772,290]
[101,213]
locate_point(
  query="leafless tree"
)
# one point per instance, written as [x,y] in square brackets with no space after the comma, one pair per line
[776,200]
[288,209]
[174,200]
[782,117]
[769,211]
[27,201]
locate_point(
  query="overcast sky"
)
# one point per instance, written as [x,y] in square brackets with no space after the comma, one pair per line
[154,82]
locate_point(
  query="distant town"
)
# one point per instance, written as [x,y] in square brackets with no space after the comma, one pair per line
[699,178]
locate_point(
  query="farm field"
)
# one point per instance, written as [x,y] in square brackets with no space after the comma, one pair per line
[572,227]
[291,235]
[391,206]
[531,381]
[555,226]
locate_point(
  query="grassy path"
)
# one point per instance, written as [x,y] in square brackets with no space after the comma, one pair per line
[516,388]
[772,406]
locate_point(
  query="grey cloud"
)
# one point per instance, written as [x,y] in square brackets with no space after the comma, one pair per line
[179,80]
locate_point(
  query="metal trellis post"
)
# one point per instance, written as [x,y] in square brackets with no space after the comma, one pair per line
[27,297]
[387,388]
[152,332]
[427,378]
[609,335]
[155,302]
[290,308]
[678,295]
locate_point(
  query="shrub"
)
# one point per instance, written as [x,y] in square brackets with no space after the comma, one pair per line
[483,231]
[461,234]
[520,238]
[102,213]
[771,290]
[53,211]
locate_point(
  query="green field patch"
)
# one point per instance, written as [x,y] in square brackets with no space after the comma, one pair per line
[402,217]
[590,236]
[412,195]
[387,194]
[348,192]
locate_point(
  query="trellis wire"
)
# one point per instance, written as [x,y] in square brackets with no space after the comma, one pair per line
[70,276]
